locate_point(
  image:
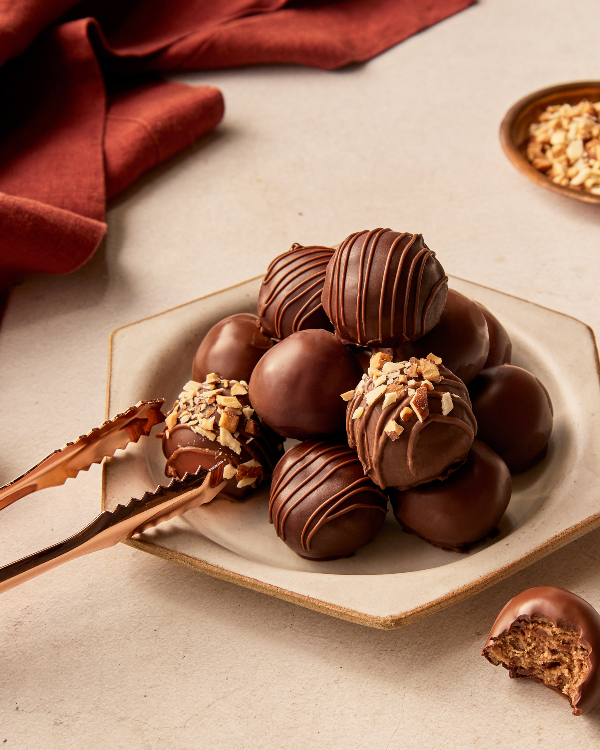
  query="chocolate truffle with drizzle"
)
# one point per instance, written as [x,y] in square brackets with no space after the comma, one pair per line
[290,295]
[383,288]
[322,505]
[212,423]
[411,422]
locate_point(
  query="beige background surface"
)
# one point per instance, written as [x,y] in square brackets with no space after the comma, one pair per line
[121,650]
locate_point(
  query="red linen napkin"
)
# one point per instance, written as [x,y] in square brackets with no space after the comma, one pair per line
[83,117]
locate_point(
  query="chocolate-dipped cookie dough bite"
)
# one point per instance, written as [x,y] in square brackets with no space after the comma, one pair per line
[463,509]
[383,288]
[322,505]
[460,338]
[232,348]
[290,296]
[212,422]
[296,386]
[514,414]
[500,344]
[551,636]
[410,422]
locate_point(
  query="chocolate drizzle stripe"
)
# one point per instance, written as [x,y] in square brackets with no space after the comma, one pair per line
[411,271]
[418,290]
[344,495]
[300,318]
[280,485]
[430,298]
[280,522]
[390,258]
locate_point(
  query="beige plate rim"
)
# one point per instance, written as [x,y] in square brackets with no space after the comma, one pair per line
[381,622]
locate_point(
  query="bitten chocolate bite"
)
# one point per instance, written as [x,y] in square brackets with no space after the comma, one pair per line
[232,348]
[296,386]
[463,509]
[383,288]
[514,415]
[460,338]
[290,296]
[322,505]
[410,422]
[551,636]
[213,423]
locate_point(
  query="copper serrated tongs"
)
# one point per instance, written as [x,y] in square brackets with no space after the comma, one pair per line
[110,527]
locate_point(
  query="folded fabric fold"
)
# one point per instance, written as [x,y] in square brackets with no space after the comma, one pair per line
[80,124]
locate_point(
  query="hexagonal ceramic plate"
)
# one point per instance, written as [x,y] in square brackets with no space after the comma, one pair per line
[398,577]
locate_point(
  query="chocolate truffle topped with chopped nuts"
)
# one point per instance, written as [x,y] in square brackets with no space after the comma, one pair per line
[290,296]
[552,636]
[296,386]
[322,505]
[410,421]
[212,422]
[383,288]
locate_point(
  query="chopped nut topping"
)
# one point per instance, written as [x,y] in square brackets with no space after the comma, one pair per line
[227,440]
[229,401]
[379,380]
[398,388]
[171,420]
[212,378]
[406,414]
[251,427]
[247,411]
[358,413]
[428,385]
[429,371]
[250,469]
[245,482]
[348,395]
[420,404]
[411,392]
[564,145]
[393,430]
[413,370]
[229,421]
[447,403]
[390,367]
[238,390]
[432,358]
[390,398]
[205,433]
[229,471]
[208,424]
[378,360]
[375,394]
[192,387]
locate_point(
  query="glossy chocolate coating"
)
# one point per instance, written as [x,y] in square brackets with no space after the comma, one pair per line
[424,451]
[232,348]
[562,608]
[290,296]
[296,386]
[460,338]
[322,505]
[187,451]
[500,343]
[464,508]
[514,414]
[383,288]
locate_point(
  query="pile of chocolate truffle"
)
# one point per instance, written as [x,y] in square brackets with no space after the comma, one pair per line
[385,377]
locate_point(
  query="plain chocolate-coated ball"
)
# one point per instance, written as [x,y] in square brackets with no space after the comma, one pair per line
[461,338]
[461,510]
[231,348]
[296,387]
[514,414]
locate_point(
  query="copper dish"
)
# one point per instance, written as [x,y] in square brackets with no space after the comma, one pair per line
[514,131]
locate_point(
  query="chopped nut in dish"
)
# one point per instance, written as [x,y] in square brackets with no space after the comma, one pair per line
[565,145]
